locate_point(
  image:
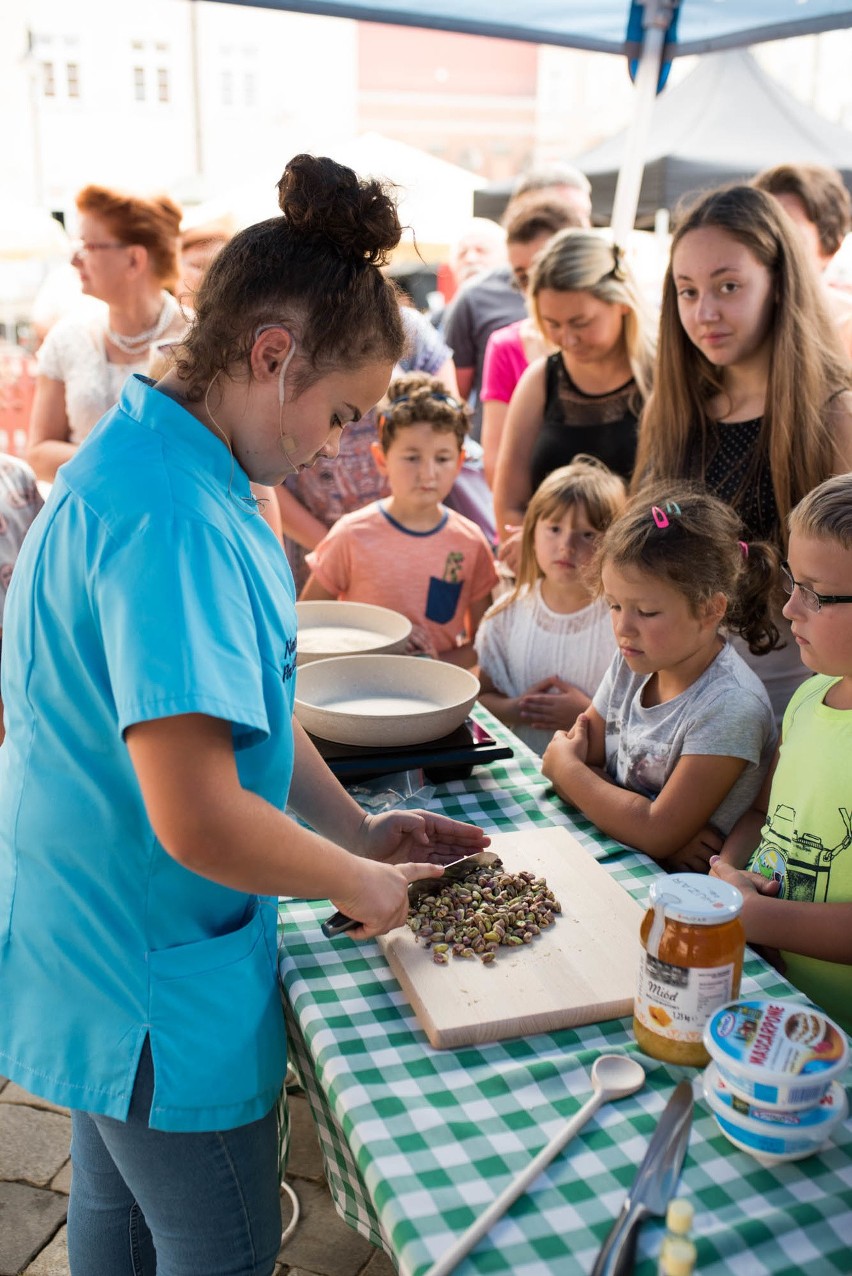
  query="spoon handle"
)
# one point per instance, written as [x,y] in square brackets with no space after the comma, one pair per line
[516,1188]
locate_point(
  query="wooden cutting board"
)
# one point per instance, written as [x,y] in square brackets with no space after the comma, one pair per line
[583,969]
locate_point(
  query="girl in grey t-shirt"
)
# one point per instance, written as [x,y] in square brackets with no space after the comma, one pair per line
[680,732]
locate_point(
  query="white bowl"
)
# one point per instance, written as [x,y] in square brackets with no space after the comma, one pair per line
[331,628]
[383,701]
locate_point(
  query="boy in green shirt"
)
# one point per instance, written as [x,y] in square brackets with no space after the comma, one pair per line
[791,854]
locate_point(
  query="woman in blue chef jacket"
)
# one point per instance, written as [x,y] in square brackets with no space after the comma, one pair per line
[148,676]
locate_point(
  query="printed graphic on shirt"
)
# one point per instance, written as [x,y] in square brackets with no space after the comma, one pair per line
[442,597]
[796,859]
[289,669]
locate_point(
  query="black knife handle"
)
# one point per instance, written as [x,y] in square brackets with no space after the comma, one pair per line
[337,924]
[618,1252]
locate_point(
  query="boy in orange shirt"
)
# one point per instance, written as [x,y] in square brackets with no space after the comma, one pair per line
[409,552]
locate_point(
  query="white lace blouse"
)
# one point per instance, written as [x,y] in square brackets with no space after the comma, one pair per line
[525,642]
[74,353]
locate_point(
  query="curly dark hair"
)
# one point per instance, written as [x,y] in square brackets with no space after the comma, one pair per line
[315,270]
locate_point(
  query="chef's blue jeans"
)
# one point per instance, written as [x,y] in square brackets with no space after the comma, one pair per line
[149,1203]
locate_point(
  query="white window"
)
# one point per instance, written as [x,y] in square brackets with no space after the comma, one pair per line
[48,79]
[163,94]
[72,79]
[139,84]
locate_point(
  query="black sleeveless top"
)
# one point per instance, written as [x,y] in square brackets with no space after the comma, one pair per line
[740,477]
[603,425]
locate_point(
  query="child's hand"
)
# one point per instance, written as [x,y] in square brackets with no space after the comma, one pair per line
[551,705]
[420,644]
[510,548]
[567,749]
[745,882]
[695,857]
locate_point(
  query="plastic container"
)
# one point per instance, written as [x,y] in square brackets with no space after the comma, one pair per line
[773,1135]
[693,943]
[778,1053]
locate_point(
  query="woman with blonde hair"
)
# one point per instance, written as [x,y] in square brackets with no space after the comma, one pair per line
[751,388]
[126,256]
[588,395]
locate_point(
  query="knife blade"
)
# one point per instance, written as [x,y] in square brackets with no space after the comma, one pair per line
[654,1185]
[455,871]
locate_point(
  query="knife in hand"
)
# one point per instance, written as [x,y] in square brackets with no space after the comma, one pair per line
[455,871]
[653,1186]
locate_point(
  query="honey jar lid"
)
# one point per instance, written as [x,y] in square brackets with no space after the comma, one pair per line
[695,899]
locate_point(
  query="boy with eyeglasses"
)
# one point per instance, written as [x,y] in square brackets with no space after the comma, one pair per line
[791,854]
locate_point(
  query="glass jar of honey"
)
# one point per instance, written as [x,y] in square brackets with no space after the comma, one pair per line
[691,963]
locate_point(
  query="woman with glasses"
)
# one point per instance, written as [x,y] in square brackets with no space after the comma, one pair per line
[751,387]
[126,256]
[586,397]
[152,761]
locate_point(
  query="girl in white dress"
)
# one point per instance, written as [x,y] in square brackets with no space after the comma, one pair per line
[544,648]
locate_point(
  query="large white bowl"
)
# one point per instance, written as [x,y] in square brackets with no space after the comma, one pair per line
[383,701]
[329,629]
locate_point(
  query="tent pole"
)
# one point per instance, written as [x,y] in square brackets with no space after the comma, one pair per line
[656,20]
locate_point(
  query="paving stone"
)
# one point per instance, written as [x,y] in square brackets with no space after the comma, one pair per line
[52,1261]
[14,1094]
[33,1144]
[380,1265]
[29,1219]
[322,1242]
[62,1181]
[305,1159]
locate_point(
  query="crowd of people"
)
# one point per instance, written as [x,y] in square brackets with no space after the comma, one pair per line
[631,514]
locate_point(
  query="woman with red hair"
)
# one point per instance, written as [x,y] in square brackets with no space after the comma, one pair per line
[126,257]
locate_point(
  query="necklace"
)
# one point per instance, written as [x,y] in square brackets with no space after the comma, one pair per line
[138,342]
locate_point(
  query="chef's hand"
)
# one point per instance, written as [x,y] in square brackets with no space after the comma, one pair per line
[379,898]
[417,836]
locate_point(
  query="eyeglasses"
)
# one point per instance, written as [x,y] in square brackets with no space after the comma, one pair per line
[81,248]
[810,598]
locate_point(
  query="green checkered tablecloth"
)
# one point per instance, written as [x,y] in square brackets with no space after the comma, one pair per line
[417,1141]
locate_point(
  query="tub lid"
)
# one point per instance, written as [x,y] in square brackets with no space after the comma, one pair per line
[774,1041]
[695,899]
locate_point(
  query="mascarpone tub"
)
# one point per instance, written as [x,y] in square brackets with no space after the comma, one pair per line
[779,1054]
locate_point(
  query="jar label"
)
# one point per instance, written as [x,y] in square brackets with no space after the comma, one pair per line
[675,1002]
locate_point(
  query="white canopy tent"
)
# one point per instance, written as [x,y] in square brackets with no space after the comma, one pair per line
[650,33]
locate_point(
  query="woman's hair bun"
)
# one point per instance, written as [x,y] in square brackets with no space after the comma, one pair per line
[320,197]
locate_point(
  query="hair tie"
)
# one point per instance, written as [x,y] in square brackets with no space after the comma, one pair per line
[743,548]
[660,516]
[619,271]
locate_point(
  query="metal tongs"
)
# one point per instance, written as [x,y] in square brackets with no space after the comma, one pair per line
[455,871]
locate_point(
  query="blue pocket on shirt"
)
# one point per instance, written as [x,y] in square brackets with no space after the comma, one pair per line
[442,600]
[217,1028]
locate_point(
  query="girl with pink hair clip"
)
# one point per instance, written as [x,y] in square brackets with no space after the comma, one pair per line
[680,732]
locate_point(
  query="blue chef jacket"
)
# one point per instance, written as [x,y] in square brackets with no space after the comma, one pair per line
[148,586]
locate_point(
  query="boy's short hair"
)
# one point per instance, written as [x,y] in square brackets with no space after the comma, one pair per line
[416,397]
[826,512]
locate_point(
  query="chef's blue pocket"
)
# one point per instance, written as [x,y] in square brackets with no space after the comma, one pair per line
[217,1026]
[442,600]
